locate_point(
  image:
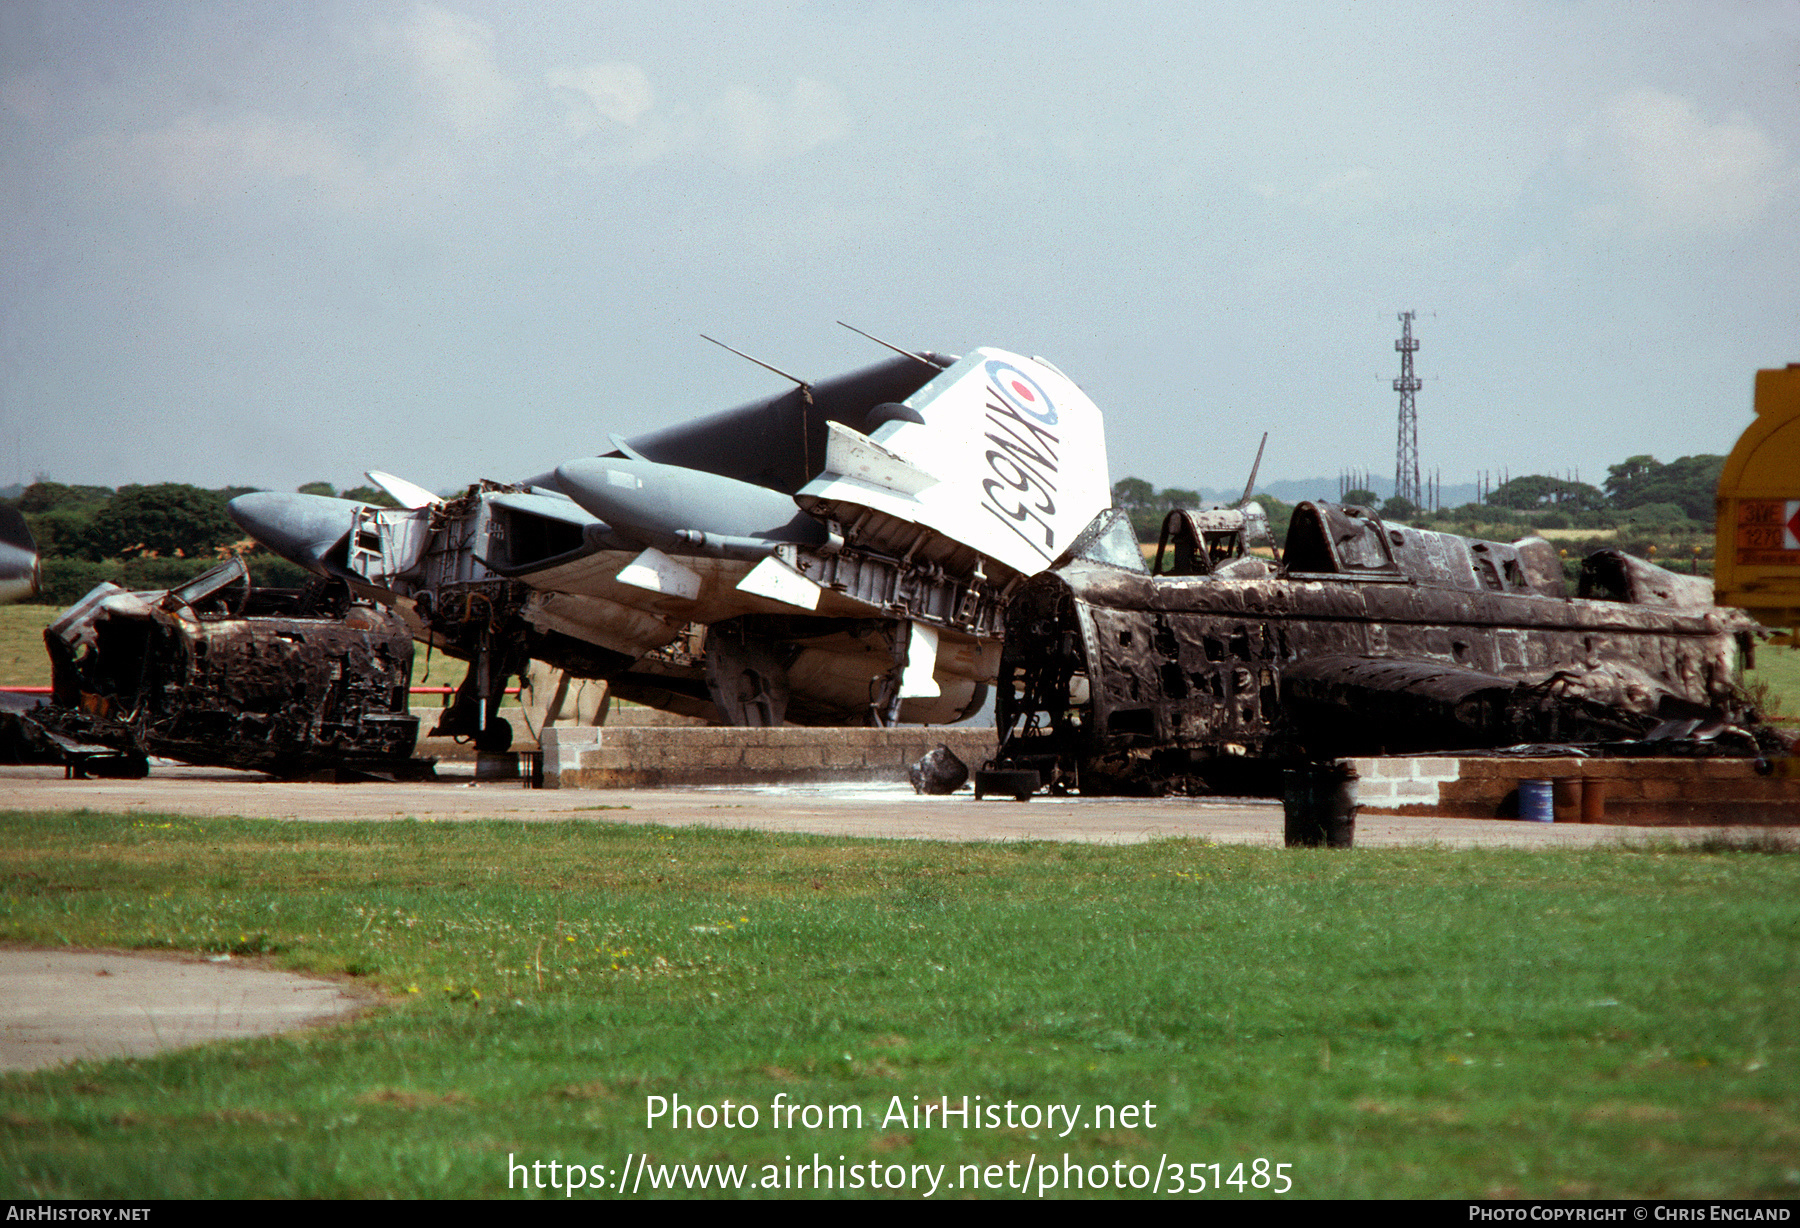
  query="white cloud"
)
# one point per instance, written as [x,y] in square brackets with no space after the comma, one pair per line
[197,161]
[1664,169]
[611,111]
[617,93]
[203,158]
[816,115]
[756,129]
[453,64]
[1529,269]
[1348,191]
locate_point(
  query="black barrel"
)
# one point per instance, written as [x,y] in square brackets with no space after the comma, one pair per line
[1320,803]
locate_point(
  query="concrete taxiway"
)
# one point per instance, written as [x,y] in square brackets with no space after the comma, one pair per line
[877,811]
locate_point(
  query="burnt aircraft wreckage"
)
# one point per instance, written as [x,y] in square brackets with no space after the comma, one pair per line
[838,554]
[1216,667]
[218,673]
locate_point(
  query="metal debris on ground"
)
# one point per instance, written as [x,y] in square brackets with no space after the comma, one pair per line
[938,771]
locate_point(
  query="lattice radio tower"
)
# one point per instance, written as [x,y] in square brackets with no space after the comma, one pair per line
[1406,451]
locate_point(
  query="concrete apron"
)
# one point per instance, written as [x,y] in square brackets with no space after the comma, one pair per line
[59,1006]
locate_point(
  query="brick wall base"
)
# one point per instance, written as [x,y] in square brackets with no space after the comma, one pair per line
[1642,792]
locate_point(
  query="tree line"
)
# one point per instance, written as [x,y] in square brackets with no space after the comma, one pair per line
[158,536]
[1639,492]
[148,537]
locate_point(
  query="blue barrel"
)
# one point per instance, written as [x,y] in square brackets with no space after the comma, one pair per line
[1537,801]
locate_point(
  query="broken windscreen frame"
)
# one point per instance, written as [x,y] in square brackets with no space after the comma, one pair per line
[228,584]
[1108,539]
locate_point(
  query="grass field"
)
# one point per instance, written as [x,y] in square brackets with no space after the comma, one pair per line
[23,661]
[1776,681]
[1421,1023]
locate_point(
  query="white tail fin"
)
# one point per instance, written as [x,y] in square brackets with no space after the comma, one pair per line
[1017,451]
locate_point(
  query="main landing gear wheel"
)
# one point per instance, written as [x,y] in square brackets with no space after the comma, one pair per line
[496,738]
[1017,783]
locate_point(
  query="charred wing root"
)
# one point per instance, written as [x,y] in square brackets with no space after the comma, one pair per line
[1415,706]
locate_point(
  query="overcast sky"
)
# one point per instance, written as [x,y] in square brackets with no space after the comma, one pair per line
[268,243]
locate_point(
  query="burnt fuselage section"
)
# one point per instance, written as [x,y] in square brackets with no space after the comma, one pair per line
[1367,638]
[220,674]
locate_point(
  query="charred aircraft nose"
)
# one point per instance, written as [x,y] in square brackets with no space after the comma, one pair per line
[300,528]
[20,573]
[668,506]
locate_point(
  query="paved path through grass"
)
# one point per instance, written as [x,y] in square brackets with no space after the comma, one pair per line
[56,1006]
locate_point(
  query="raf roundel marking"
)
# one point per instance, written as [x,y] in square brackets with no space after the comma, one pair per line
[1024,393]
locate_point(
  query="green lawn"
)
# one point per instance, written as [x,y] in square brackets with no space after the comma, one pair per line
[1778,669]
[23,661]
[1418,1023]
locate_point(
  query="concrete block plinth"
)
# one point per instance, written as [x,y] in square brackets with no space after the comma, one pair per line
[684,756]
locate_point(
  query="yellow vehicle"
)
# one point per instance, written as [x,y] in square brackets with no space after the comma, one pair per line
[1757,562]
